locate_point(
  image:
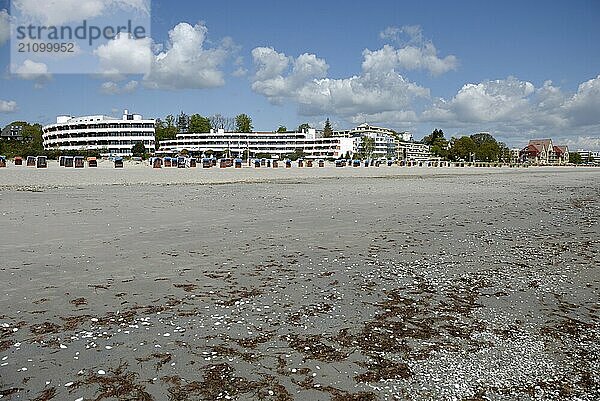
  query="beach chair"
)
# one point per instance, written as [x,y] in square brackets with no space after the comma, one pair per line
[18,161]
[118,162]
[31,161]
[92,162]
[41,162]
[2,161]
[79,162]
[238,163]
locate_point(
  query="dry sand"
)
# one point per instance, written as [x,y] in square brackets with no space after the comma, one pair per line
[21,177]
[295,284]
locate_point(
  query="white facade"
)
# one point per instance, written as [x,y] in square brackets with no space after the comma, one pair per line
[273,143]
[412,151]
[514,155]
[405,136]
[589,156]
[385,142]
[108,135]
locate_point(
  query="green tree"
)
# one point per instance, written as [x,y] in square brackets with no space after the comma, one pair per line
[298,154]
[488,152]
[218,121]
[462,148]
[486,147]
[431,139]
[368,146]
[243,123]
[31,144]
[199,123]
[437,142]
[34,133]
[303,127]
[138,149]
[327,131]
[575,158]
[183,122]
[170,120]
[482,137]
[282,128]
[164,130]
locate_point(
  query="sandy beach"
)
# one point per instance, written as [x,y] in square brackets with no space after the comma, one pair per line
[335,284]
[134,172]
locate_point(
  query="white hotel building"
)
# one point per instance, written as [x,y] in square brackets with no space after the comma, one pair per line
[276,144]
[412,151]
[108,135]
[384,139]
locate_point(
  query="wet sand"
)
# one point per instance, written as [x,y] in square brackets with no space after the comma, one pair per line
[321,284]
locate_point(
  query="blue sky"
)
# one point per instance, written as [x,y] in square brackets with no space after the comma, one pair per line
[516,69]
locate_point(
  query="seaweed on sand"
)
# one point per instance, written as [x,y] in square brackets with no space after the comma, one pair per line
[118,383]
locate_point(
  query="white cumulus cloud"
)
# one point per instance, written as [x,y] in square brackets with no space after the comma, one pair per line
[516,108]
[184,62]
[187,63]
[486,101]
[581,142]
[125,55]
[113,88]
[7,106]
[379,91]
[583,108]
[271,65]
[304,80]
[58,12]
[415,53]
[33,71]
